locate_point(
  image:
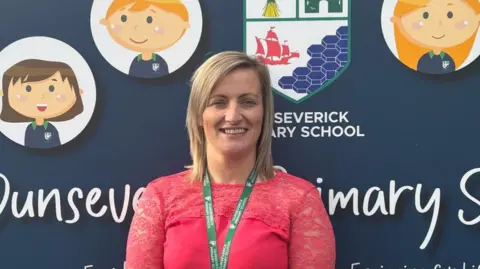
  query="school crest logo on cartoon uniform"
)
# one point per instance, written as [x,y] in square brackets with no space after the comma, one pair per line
[47,135]
[445,64]
[304,43]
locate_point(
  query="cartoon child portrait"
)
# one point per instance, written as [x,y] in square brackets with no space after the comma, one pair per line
[40,92]
[435,36]
[148,28]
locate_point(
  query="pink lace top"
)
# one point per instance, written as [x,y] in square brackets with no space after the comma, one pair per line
[284,226]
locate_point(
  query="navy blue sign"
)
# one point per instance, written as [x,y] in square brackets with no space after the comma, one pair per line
[394,152]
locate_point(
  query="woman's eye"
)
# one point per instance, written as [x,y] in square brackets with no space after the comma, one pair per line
[51,88]
[28,88]
[249,102]
[215,102]
[450,14]
[149,19]
[425,15]
[124,18]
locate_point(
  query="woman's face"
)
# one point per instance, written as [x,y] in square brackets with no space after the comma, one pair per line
[439,24]
[232,120]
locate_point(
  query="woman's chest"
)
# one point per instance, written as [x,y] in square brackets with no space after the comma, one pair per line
[255,244]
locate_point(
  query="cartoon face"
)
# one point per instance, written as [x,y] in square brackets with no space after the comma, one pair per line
[150,30]
[439,24]
[42,99]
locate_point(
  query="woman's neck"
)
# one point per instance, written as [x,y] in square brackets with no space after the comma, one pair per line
[227,170]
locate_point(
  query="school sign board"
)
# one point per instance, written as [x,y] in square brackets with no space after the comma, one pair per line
[376,103]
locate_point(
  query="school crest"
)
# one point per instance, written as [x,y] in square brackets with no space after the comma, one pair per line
[445,64]
[47,135]
[305,43]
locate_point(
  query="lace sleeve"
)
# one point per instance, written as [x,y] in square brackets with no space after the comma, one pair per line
[312,243]
[146,236]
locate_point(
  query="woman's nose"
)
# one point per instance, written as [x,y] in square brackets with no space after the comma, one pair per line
[232,114]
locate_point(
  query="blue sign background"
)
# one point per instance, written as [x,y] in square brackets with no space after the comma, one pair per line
[418,130]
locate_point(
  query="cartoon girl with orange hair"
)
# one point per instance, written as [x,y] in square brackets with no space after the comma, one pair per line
[435,36]
[147,26]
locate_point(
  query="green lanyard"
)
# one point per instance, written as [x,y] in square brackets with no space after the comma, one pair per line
[212,237]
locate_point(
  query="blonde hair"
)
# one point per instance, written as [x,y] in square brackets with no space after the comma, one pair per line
[203,82]
[410,53]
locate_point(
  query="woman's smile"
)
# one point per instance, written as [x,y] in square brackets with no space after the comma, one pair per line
[233,131]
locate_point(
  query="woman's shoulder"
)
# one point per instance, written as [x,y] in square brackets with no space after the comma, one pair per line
[293,182]
[165,184]
[291,188]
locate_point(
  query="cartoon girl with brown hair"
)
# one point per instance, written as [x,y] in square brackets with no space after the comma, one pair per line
[147,26]
[435,36]
[40,92]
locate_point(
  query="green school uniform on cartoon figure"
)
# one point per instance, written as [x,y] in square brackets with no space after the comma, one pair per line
[40,92]
[435,36]
[147,27]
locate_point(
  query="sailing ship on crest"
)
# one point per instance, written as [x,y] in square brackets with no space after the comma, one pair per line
[271,52]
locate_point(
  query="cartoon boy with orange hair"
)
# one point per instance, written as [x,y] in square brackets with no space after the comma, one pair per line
[435,36]
[147,26]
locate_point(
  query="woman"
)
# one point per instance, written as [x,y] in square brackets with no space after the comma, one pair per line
[281,222]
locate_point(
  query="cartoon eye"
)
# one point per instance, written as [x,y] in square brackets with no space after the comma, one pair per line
[149,19]
[28,88]
[51,88]
[450,14]
[425,15]
[124,18]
